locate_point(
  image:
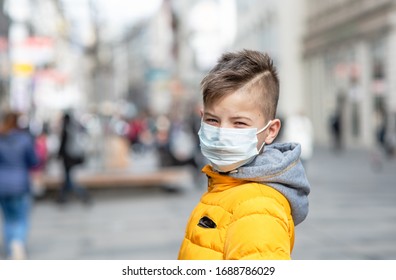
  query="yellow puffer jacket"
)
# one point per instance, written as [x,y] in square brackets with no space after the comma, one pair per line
[238,219]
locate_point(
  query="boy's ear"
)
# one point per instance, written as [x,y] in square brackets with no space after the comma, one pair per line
[273,131]
[201,111]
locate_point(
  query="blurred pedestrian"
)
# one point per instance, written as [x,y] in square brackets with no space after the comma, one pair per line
[17,157]
[336,130]
[176,142]
[257,189]
[199,160]
[385,136]
[71,152]
[182,144]
[136,127]
[38,172]
[298,128]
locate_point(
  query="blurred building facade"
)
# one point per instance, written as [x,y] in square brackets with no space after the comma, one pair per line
[276,27]
[332,56]
[141,64]
[204,30]
[349,50]
[48,68]
[155,63]
[264,25]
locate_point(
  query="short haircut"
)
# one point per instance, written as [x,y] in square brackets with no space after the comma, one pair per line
[247,70]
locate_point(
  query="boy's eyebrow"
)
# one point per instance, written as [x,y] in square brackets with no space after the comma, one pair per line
[209,114]
[233,117]
[241,117]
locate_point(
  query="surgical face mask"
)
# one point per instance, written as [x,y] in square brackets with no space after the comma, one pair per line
[229,148]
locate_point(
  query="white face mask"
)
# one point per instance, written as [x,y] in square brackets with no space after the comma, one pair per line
[229,148]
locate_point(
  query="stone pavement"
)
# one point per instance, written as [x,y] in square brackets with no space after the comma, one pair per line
[352,216]
[352,208]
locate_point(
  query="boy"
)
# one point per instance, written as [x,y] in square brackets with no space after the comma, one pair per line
[256,193]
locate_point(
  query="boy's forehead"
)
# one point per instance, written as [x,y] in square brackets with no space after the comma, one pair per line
[237,102]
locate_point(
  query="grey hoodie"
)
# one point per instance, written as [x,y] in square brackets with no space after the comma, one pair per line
[279,167]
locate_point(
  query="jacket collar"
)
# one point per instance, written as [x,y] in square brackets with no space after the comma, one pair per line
[218,182]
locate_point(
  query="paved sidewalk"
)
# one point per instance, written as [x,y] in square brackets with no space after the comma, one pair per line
[352,207]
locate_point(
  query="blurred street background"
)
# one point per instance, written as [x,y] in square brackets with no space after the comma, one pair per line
[352,216]
[130,73]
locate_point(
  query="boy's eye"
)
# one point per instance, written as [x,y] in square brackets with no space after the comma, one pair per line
[211,121]
[240,124]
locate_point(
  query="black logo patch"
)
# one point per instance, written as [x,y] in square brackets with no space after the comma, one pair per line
[206,222]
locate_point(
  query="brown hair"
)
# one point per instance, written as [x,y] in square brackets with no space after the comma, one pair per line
[9,121]
[247,70]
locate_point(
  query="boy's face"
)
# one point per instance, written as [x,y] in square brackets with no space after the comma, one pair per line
[241,110]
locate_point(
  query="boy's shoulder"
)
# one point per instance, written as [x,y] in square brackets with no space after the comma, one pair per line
[246,192]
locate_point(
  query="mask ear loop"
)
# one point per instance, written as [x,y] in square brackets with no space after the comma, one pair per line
[264,128]
[261,130]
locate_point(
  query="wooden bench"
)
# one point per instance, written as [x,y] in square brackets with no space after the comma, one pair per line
[166,177]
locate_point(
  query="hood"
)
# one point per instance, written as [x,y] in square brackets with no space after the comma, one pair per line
[279,167]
